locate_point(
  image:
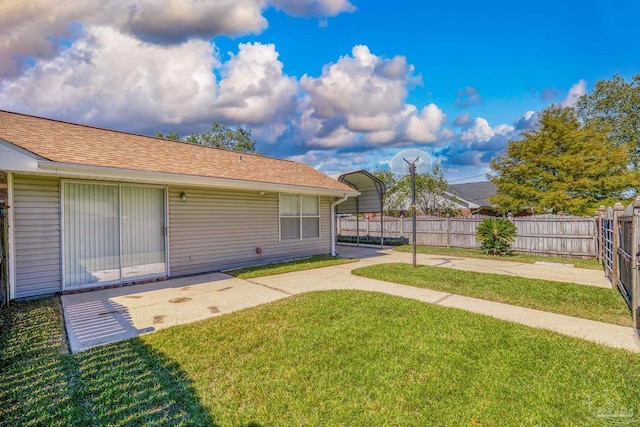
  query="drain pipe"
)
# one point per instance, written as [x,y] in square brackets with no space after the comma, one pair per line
[333,223]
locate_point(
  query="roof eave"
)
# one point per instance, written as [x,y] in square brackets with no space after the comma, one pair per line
[118,174]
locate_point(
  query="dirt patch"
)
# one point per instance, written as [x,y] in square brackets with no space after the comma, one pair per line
[179,300]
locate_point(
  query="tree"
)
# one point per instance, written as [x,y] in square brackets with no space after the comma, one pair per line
[430,193]
[615,104]
[390,181]
[169,135]
[220,136]
[562,166]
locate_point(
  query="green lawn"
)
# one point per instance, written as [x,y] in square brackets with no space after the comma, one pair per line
[315,261]
[129,383]
[589,302]
[326,358]
[477,253]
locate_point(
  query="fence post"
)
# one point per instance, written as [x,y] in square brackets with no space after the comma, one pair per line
[599,252]
[635,253]
[448,225]
[368,231]
[617,209]
[401,227]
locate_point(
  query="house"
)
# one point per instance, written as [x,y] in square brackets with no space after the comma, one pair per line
[473,197]
[92,207]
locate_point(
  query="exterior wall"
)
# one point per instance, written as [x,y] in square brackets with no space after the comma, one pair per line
[211,230]
[220,229]
[36,204]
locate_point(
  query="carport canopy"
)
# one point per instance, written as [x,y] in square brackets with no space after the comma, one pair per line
[370,200]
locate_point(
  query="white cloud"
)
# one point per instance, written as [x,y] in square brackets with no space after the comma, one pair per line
[40,29]
[425,127]
[467,97]
[314,8]
[109,77]
[352,88]
[253,88]
[36,29]
[576,91]
[330,162]
[481,131]
[462,120]
[528,120]
[361,98]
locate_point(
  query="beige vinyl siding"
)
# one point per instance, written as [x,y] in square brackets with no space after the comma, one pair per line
[36,204]
[220,229]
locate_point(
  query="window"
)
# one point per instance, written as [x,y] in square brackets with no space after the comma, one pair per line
[299,217]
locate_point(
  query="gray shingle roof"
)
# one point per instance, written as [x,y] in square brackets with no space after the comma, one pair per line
[474,192]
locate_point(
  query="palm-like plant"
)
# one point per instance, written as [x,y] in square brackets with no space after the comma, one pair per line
[496,235]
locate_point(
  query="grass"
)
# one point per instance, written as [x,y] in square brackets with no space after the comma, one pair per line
[605,305]
[125,384]
[325,358]
[315,261]
[477,253]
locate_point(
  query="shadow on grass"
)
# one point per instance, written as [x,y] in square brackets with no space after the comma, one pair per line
[121,384]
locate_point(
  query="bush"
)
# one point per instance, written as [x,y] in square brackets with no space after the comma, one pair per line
[496,235]
[370,240]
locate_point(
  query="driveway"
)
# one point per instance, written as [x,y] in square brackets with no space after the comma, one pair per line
[100,317]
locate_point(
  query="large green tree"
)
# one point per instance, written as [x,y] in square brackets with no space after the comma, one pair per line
[220,136]
[564,165]
[615,104]
[430,193]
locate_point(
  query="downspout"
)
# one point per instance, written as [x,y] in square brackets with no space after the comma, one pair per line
[380,191]
[11,237]
[357,221]
[333,223]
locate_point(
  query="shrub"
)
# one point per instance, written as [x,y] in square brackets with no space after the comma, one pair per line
[496,235]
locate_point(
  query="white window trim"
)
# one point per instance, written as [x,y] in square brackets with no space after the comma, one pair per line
[300,216]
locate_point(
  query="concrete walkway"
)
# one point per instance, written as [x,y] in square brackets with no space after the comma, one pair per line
[99,317]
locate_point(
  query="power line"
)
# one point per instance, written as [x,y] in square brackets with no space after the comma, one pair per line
[462,179]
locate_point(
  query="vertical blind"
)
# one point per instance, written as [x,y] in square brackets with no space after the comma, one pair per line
[112,232]
[91,234]
[142,231]
[289,217]
[299,217]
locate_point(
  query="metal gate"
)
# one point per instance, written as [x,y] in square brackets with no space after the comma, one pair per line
[607,245]
[625,258]
[4,251]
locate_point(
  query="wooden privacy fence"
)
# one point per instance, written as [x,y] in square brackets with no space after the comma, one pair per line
[545,235]
[619,251]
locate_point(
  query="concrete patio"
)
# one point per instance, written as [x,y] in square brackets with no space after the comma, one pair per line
[100,317]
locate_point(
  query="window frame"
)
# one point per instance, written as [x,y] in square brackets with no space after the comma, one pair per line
[300,216]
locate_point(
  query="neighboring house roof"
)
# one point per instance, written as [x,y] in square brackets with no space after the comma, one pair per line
[67,144]
[474,194]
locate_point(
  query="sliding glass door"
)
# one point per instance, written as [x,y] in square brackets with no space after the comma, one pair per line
[112,233]
[142,232]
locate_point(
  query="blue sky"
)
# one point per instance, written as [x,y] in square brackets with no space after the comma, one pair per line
[338,84]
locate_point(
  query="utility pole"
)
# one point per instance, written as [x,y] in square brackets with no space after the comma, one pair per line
[412,170]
